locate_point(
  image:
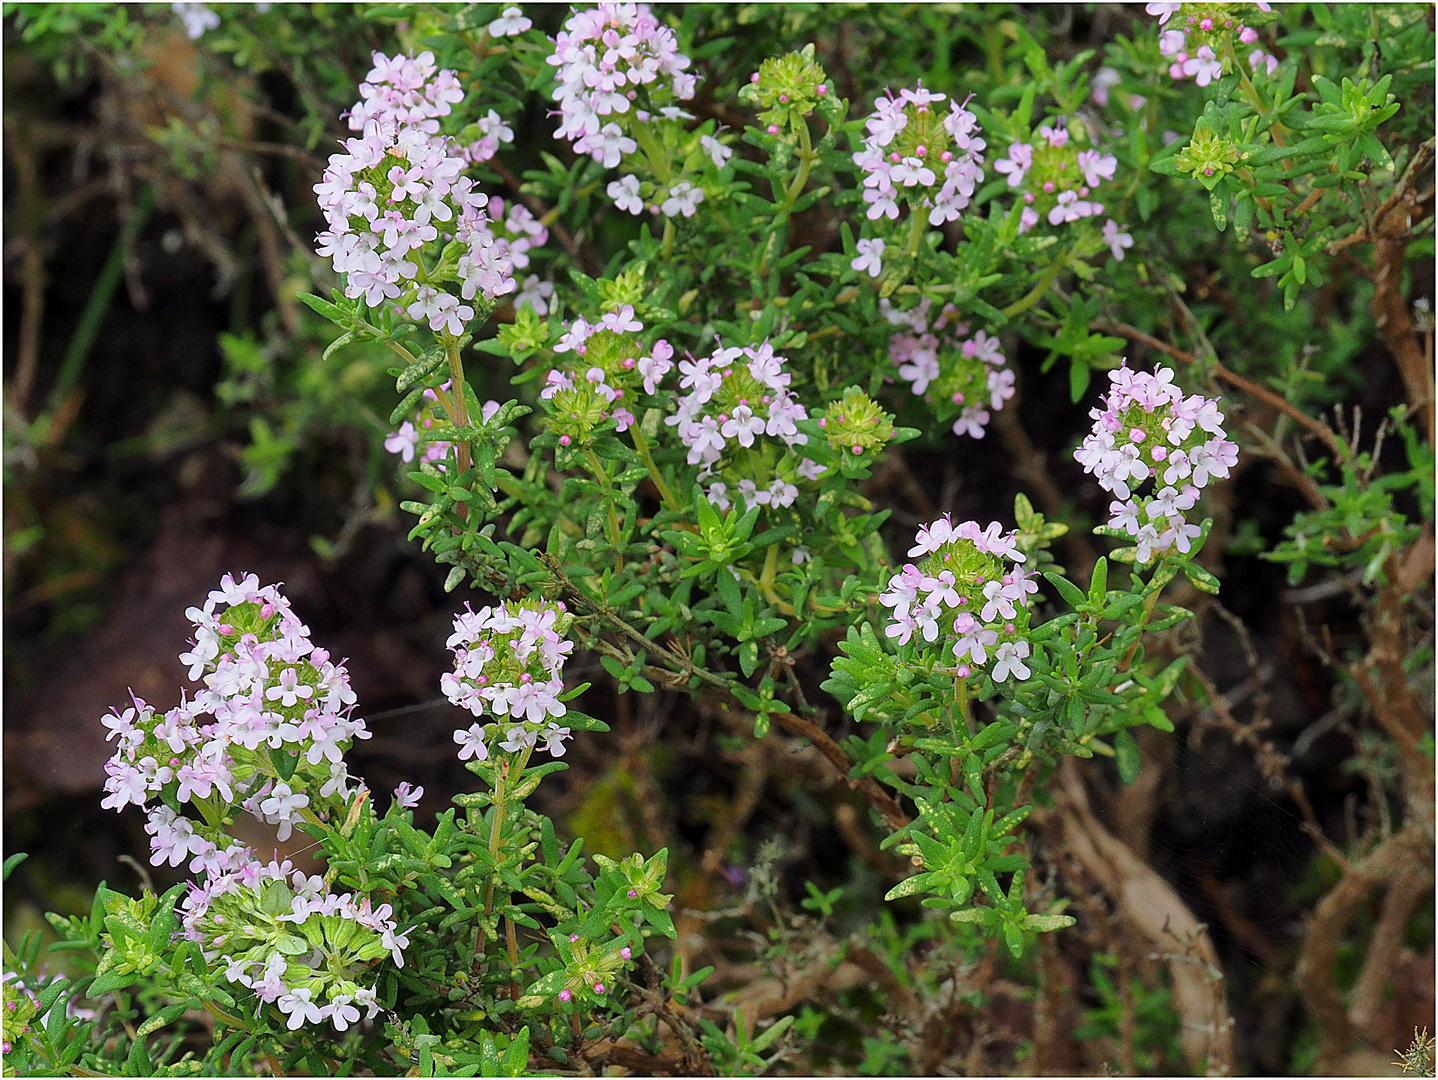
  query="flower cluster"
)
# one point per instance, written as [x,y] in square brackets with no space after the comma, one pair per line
[1206,36]
[736,398]
[610,367]
[398,189]
[618,65]
[266,733]
[969,589]
[1056,174]
[267,689]
[509,664]
[943,364]
[913,153]
[289,940]
[1148,429]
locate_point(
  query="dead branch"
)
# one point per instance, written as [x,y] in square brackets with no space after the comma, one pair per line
[1381,962]
[1153,909]
[1326,932]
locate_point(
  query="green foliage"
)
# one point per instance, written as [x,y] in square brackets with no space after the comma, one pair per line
[676,574]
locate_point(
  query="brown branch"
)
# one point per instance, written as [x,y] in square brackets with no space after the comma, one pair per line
[1381,961]
[1390,307]
[1385,685]
[1152,908]
[1326,931]
[888,807]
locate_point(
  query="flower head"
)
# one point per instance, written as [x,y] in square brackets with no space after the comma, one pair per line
[508,666]
[1149,431]
[919,155]
[965,377]
[967,592]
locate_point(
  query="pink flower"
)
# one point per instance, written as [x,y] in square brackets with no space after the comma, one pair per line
[471,743]
[1117,241]
[1203,67]
[1164,9]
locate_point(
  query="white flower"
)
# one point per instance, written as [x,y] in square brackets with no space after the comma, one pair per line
[343,1014]
[684,198]
[197,19]
[717,151]
[510,22]
[870,257]
[625,193]
[1009,660]
[300,1008]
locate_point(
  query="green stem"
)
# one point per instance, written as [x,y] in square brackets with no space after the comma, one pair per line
[455,406]
[1018,307]
[1149,603]
[1278,128]
[602,474]
[916,232]
[806,161]
[658,160]
[667,248]
[404,354]
[641,447]
[961,700]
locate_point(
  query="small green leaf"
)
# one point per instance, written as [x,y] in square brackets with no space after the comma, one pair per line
[1127,756]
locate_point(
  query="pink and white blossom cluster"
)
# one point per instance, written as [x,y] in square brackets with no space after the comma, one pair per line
[1198,42]
[737,399]
[969,592]
[266,687]
[607,368]
[617,64]
[1148,430]
[915,155]
[399,192]
[509,665]
[947,366]
[247,916]
[1055,176]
